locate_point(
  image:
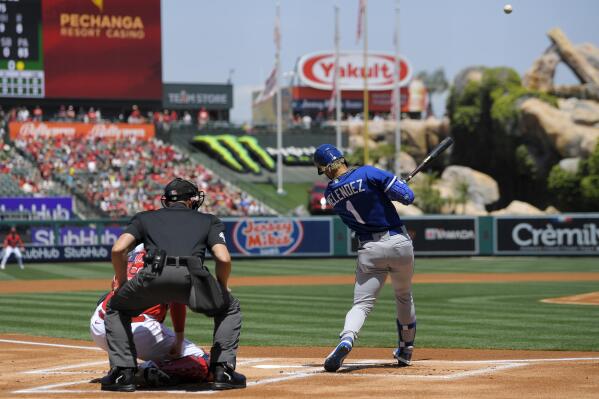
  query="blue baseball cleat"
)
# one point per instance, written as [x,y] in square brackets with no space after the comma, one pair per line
[403,356]
[337,356]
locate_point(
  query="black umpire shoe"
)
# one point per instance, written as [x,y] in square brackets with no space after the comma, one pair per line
[119,379]
[227,378]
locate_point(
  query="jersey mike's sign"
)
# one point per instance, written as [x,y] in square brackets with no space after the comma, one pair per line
[560,235]
[318,70]
[280,236]
[267,237]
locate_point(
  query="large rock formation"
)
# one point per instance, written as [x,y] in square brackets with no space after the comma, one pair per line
[420,136]
[584,112]
[518,208]
[540,75]
[556,128]
[410,210]
[406,163]
[569,164]
[479,189]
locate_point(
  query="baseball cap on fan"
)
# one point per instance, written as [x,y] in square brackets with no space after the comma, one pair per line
[180,189]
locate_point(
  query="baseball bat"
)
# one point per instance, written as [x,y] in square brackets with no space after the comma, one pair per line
[442,146]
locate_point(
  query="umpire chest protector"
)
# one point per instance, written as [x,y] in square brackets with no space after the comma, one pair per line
[178,230]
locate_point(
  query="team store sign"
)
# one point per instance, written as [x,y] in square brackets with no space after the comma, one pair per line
[318,70]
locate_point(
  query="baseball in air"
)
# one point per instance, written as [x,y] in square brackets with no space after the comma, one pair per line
[507,9]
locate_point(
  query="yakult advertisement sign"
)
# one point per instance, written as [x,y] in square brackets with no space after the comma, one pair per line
[318,69]
[560,235]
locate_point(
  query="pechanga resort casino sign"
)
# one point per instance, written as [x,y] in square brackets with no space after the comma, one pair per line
[317,70]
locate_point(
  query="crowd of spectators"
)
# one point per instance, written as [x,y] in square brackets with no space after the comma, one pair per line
[30,181]
[163,119]
[127,176]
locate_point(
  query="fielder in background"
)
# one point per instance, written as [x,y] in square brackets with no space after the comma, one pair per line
[165,363]
[12,243]
[363,198]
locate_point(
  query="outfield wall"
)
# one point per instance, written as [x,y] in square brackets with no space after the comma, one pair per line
[433,235]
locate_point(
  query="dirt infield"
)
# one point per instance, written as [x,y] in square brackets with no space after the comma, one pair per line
[36,367]
[12,286]
[591,298]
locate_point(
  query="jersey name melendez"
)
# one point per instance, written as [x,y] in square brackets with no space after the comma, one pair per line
[345,191]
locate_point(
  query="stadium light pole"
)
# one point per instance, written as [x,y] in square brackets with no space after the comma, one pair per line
[280,189]
[337,89]
[397,89]
[365,93]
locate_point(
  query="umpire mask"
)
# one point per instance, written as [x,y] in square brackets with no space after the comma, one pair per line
[182,190]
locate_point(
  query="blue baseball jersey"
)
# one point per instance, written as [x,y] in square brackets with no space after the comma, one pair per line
[362,199]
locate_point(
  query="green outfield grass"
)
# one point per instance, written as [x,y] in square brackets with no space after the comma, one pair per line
[322,266]
[486,315]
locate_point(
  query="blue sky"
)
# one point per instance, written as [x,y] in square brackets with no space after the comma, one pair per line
[204,39]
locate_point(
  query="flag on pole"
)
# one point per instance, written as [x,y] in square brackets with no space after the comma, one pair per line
[277,32]
[361,11]
[270,87]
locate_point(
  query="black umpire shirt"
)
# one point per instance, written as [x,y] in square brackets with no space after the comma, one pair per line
[178,230]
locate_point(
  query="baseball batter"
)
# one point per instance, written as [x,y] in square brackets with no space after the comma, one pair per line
[362,197]
[156,343]
[13,245]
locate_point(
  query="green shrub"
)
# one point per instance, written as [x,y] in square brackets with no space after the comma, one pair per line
[426,196]
[577,192]
[564,186]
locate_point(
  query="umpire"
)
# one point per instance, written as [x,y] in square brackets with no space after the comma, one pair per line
[176,236]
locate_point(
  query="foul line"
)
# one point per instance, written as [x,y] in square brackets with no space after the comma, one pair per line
[12,341]
[58,370]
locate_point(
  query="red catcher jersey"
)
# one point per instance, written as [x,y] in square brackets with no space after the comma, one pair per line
[134,264]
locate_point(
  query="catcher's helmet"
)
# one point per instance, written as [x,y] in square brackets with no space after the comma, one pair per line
[324,155]
[180,190]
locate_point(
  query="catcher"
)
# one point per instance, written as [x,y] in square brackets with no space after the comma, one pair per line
[168,360]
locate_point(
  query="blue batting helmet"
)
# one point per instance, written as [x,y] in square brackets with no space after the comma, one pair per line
[324,155]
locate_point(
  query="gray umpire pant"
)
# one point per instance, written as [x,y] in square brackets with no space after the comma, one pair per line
[146,290]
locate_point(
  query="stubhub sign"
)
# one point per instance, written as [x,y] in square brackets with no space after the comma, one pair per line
[74,235]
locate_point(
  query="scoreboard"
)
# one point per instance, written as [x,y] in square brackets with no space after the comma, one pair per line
[81,49]
[21,67]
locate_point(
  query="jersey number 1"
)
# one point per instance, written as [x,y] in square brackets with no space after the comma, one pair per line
[350,208]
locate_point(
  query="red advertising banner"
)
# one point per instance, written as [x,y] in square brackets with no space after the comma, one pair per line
[102,49]
[20,130]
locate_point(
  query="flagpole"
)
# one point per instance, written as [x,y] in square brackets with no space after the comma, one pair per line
[366,112]
[337,90]
[397,89]
[279,108]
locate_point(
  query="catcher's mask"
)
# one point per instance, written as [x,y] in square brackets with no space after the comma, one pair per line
[181,190]
[325,155]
